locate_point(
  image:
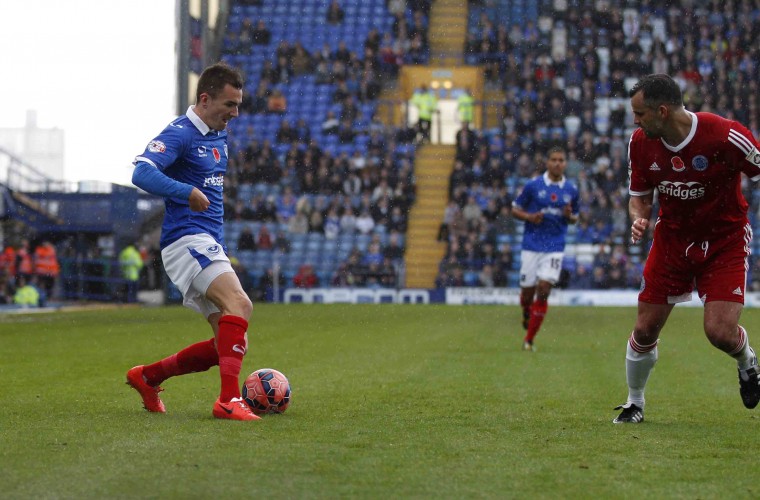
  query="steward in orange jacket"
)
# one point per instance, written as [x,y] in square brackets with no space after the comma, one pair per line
[8,261]
[46,260]
[46,266]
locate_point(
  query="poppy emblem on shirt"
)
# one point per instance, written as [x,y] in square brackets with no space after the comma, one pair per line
[156,147]
[699,163]
[554,197]
[217,156]
[678,164]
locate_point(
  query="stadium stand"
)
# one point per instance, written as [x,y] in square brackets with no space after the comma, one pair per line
[320,171]
[565,69]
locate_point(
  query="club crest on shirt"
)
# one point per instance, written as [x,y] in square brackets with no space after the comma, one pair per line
[217,156]
[699,163]
[156,147]
[678,164]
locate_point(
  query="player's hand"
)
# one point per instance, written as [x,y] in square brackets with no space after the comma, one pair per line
[638,228]
[537,218]
[567,211]
[198,200]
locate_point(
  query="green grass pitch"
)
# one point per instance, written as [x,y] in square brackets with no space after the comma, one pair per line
[389,401]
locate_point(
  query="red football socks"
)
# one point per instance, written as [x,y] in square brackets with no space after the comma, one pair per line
[537,313]
[194,358]
[232,345]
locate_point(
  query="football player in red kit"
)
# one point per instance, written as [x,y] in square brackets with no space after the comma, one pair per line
[693,162]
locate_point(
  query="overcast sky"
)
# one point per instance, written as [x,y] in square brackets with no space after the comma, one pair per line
[101,70]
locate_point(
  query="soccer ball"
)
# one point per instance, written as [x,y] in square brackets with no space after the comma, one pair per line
[267,391]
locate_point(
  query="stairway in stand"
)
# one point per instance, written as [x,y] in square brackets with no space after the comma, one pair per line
[432,168]
[447,32]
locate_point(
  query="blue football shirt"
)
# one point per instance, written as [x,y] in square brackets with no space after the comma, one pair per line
[543,195]
[188,151]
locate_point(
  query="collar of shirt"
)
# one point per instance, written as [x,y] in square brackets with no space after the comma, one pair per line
[549,182]
[199,124]
[689,137]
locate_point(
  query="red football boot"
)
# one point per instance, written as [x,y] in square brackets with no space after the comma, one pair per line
[149,394]
[236,409]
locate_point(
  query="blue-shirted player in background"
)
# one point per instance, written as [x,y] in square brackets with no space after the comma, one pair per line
[185,165]
[547,204]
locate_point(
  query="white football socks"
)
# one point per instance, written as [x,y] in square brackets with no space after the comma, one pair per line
[743,354]
[638,366]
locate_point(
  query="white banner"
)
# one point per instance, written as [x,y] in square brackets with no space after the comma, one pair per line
[356,296]
[464,296]
[460,296]
[511,296]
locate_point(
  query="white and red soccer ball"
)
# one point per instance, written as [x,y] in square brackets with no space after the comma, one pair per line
[266,391]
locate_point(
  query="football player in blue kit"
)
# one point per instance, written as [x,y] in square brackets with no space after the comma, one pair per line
[185,164]
[547,204]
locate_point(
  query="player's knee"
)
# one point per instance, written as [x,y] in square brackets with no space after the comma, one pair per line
[646,334]
[240,305]
[721,333]
[543,291]
[246,305]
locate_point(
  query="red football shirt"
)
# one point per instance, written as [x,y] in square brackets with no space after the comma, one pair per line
[698,182]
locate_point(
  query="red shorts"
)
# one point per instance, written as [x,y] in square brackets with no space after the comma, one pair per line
[717,267]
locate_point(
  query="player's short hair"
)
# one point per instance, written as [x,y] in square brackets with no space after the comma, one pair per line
[215,77]
[658,89]
[555,149]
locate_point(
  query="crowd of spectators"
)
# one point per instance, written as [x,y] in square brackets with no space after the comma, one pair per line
[310,187]
[566,84]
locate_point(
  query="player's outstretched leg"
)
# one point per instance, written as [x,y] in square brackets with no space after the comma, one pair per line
[148,393]
[631,414]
